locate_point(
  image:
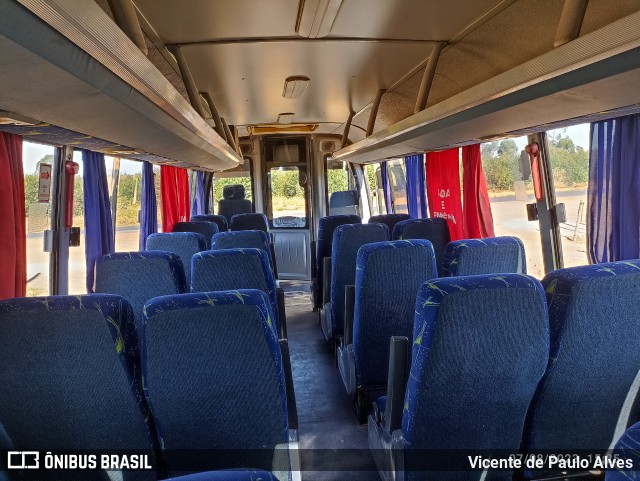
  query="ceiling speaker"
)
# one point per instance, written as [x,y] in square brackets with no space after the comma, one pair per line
[328,146]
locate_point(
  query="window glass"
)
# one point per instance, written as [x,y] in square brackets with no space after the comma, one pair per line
[374,201]
[38,216]
[569,152]
[240,175]
[288,200]
[398,183]
[339,176]
[509,194]
[128,203]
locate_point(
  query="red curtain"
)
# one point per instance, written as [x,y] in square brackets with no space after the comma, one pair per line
[442,171]
[478,220]
[13,261]
[174,193]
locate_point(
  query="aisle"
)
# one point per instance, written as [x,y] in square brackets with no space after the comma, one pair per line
[330,439]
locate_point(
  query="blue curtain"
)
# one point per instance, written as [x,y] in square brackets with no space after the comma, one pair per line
[98,227]
[416,187]
[613,224]
[198,203]
[386,187]
[148,205]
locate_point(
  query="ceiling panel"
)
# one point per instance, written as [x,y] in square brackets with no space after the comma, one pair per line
[246,80]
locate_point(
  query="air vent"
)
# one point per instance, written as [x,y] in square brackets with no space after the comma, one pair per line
[328,146]
[295,87]
[285,117]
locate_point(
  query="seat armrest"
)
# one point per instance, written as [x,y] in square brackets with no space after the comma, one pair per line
[282,315]
[349,306]
[326,282]
[292,410]
[314,267]
[396,382]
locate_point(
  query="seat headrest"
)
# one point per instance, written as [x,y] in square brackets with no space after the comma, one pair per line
[233,192]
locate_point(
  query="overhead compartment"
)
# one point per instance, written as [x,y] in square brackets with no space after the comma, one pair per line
[594,76]
[67,64]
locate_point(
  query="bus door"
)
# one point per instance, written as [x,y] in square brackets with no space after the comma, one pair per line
[286,174]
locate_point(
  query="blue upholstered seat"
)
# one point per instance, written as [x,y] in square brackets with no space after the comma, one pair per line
[435,230]
[326,227]
[594,358]
[207,229]
[480,347]
[139,276]
[231,475]
[627,448]
[388,276]
[219,220]
[390,220]
[347,239]
[228,269]
[70,377]
[344,202]
[213,375]
[183,244]
[250,221]
[492,255]
[243,239]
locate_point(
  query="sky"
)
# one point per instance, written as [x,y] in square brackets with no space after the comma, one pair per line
[32,153]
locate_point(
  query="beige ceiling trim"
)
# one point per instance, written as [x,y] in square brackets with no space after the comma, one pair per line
[285,39]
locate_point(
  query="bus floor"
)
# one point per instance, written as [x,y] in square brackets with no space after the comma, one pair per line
[333,446]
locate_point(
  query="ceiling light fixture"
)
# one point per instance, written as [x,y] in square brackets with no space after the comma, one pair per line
[316,17]
[285,118]
[295,87]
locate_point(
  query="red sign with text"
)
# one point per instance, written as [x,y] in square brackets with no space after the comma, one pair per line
[442,171]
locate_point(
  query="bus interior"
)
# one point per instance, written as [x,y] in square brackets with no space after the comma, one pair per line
[329,239]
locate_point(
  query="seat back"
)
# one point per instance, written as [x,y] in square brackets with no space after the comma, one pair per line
[70,376]
[251,221]
[344,202]
[347,239]
[206,229]
[233,202]
[229,269]
[388,276]
[183,244]
[139,276]
[219,220]
[492,255]
[243,239]
[594,358]
[480,347]
[326,227]
[627,448]
[213,372]
[390,220]
[435,230]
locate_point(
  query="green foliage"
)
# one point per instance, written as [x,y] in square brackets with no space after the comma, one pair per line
[337,180]
[500,161]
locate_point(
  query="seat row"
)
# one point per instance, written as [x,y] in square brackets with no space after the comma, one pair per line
[202,371]
[340,238]
[505,363]
[140,276]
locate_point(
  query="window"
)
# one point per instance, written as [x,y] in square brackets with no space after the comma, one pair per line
[127,230]
[38,217]
[398,183]
[509,194]
[339,176]
[287,195]
[568,150]
[239,175]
